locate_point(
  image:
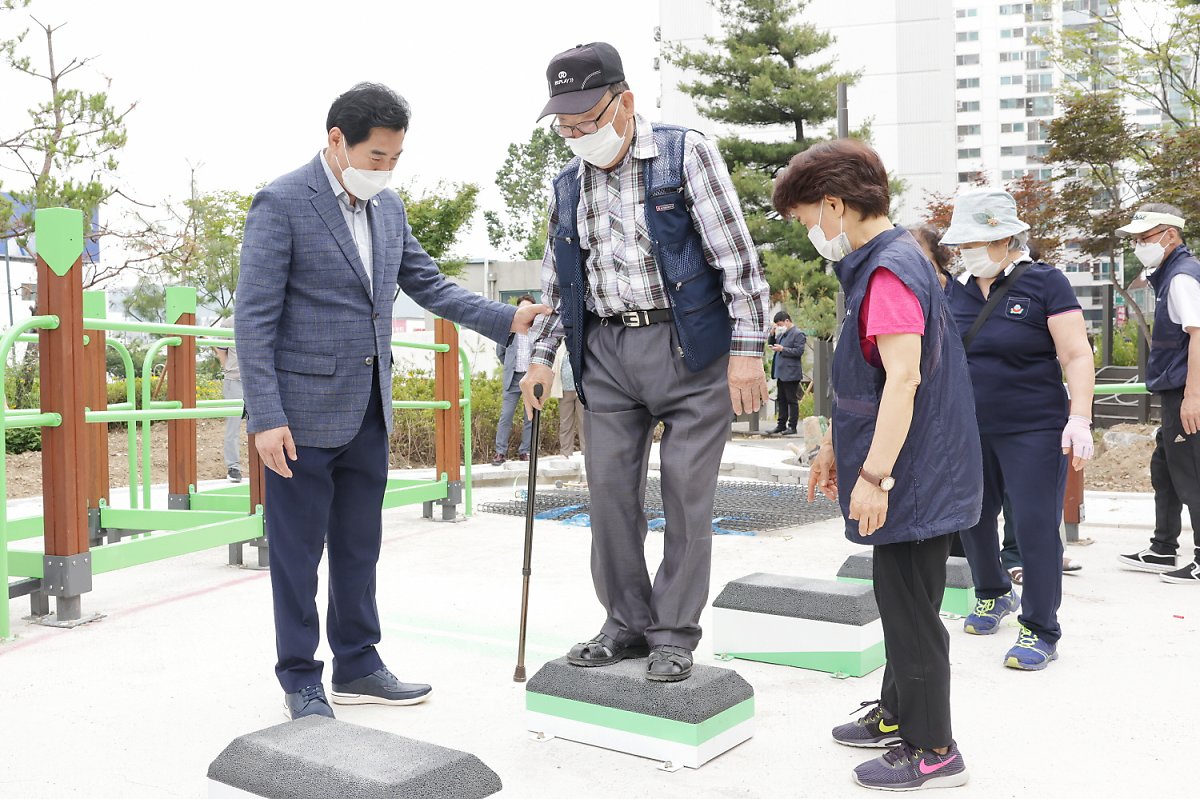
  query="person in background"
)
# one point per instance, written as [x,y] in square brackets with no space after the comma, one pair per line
[514,355]
[1022,329]
[231,388]
[930,240]
[787,368]
[570,409]
[903,463]
[1173,372]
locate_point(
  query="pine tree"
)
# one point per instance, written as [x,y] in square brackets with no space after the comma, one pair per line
[767,72]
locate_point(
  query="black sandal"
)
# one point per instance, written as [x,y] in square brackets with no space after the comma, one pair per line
[604,651]
[669,664]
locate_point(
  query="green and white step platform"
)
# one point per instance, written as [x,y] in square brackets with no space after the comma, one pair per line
[823,625]
[958,599]
[683,723]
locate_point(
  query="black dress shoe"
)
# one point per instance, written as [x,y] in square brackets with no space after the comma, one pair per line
[776,431]
[604,651]
[669,663]
[791,431]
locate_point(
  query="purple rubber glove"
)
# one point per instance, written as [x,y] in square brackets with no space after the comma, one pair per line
[1077,437]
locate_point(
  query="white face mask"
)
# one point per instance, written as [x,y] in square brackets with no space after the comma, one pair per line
[834,250]
[599,148]
[1151,254]
[977,261]
[363,183]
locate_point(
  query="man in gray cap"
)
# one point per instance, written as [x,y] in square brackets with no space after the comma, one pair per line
[656,285]
[1172,373]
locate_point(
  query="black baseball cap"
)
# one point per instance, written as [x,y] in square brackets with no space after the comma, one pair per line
[578,77]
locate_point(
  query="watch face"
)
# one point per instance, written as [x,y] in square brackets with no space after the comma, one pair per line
[887,483]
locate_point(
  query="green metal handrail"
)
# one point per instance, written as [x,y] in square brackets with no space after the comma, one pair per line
[6,342]
[147,385]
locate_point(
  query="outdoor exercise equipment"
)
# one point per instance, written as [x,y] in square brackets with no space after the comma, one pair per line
[80,533]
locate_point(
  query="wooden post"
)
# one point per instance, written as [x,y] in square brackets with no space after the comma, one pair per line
[1073,502]
[95,395]
[448,453]
[181,386]
[67,571]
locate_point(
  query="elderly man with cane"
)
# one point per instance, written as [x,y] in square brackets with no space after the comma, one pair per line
[654,281]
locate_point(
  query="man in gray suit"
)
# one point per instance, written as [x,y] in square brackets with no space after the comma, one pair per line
[324,251]
[514,356]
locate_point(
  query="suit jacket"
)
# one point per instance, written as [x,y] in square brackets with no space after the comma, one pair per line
[310,328]
[787,364]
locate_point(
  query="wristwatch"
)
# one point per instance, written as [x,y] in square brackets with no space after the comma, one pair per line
[884,483]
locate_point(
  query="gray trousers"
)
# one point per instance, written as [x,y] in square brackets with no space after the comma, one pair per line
[233,424]
[635,379]
[509,405]
[570,424]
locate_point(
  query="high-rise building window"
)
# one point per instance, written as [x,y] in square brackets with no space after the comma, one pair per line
[968,105]
[1011,80]
[963,13]
[1012,33]
[969,130]
[968,83]
[968,152]
[1006,58]
[1012,127]
[967,60]
[967,36]
[1039,106]
[1012,102]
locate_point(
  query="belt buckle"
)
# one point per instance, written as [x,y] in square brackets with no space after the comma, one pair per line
[631,319]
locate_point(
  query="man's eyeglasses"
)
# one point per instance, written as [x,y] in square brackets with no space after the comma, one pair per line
[586,127]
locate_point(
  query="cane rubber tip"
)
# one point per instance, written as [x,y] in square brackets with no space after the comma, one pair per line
[519,674]
[537,390]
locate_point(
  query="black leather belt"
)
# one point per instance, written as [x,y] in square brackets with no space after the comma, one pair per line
[640,318]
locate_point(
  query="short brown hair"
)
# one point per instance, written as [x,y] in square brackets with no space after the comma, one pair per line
[843,168]
[526,298]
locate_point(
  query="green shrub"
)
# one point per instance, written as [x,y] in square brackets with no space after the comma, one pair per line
[413,430]
[23,439]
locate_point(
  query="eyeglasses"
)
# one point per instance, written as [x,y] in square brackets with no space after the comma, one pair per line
[1147,238]
[584,128]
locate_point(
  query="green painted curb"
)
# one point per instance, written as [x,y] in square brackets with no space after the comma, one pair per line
[180,300]
[856,664]
[95,305]
[59,237]
[679,732]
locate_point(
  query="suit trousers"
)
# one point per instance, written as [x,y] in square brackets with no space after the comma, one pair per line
[635,379]
[510,404]
[332,502]
[909,579]
[570,423]
[232,389]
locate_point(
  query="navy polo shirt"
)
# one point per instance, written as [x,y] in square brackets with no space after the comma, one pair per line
[1014,367]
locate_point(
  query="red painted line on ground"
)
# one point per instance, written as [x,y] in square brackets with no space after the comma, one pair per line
[13,647]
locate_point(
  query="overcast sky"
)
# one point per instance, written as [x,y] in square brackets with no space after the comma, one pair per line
[242,88]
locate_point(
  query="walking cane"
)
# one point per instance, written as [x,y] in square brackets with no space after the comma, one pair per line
[519,674]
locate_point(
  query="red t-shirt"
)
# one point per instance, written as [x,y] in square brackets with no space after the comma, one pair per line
[889,306]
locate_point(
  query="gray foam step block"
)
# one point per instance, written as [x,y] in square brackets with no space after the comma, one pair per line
[859,567]
[318,758]
[801,598]
[709,691]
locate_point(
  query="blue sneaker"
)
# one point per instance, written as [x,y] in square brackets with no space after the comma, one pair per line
[988,613]
[308,701]
[905,768]
[1030,653]
[380,688]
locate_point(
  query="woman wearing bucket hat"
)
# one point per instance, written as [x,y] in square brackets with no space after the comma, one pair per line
[1022,328]
[904,463]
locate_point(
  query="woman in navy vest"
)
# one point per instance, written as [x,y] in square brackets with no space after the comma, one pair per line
[902,456]
[1018,348]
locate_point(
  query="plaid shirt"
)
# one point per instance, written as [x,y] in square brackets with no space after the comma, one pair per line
[621,272]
